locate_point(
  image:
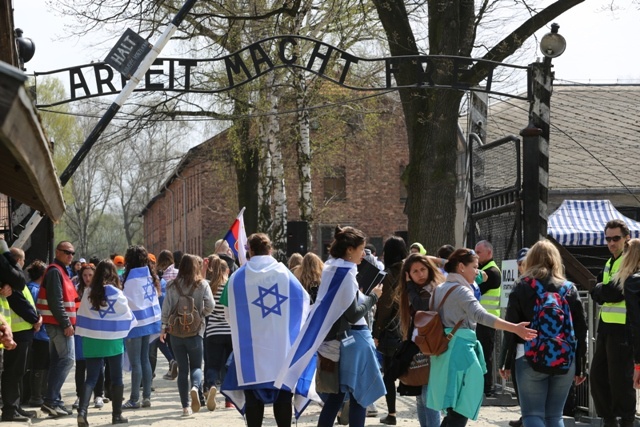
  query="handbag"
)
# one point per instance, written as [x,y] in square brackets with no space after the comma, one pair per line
[418,372]
[431,338]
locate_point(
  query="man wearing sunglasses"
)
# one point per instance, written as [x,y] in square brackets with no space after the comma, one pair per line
[612,364]
[57,305]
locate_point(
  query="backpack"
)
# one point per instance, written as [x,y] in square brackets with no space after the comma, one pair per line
[184,317]
[431,339]
[553,350]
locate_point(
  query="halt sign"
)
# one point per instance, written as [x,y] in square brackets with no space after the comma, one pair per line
[128,53]
[509,276]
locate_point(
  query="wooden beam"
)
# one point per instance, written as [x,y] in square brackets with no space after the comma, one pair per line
[574,268]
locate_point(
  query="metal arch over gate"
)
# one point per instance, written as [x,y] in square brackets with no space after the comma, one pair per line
[181,75]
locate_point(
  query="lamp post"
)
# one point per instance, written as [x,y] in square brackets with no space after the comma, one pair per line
[535,184]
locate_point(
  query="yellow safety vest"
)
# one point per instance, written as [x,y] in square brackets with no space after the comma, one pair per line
[613,312]
[18,323]
[491,299]
[6,312]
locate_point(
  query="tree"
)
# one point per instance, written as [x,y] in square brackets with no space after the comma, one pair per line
[431,116]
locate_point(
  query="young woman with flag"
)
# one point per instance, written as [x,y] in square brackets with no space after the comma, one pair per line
[188,350]
[267,306]
[103,321]
[141,287]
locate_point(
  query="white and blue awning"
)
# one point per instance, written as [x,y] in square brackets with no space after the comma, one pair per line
[581,222]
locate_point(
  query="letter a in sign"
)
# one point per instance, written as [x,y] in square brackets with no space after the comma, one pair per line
[128,53]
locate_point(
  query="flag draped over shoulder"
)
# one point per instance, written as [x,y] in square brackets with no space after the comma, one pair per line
[336,293]
[267,307]
[113,320]
[143,301]
[237,238]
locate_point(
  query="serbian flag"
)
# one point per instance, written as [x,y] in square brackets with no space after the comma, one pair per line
[237,238]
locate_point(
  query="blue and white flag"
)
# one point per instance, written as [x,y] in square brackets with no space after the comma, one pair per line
[267,307]
[336,293]
[143,301]
[111,321]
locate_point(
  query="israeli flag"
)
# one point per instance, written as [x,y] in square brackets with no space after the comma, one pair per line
[267,308]
[111,321]
[143,301]
[336,293]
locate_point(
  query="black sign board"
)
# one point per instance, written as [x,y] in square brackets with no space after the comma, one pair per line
[128,53]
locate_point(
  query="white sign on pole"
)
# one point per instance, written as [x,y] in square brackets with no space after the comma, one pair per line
[509,276]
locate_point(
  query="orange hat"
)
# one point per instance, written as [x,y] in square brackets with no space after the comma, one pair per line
[118,260]
[152,257]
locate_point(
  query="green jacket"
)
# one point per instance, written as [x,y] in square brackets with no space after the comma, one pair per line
[457,376]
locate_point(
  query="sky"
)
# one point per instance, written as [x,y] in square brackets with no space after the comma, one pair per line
[597,41]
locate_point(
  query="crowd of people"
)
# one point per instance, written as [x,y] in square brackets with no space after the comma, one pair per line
[266,333]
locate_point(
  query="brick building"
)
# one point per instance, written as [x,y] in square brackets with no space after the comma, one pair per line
[356,178]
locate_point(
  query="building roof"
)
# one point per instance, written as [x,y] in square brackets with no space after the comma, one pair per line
[594,138]
[28,174]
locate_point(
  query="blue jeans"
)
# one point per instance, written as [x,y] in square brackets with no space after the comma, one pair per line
[138,352]
[332,405]
[61,358]
[188,354]
[427,417]
[95,365]
[542,396]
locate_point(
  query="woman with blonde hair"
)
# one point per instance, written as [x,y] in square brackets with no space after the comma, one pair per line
[310,273]
[629,275]
[188,350]
[543,387]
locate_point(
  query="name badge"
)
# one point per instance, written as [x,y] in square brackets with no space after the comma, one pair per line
[348,341]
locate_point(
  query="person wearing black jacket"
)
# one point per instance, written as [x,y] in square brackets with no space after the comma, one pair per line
[386,331]
[24,319]
[611,368]
[542,395]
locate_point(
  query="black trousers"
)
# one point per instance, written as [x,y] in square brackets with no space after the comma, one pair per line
[611,377]
[487,337]
[15,365]
[282,410]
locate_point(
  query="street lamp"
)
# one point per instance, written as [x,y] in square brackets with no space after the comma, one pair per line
[553,44]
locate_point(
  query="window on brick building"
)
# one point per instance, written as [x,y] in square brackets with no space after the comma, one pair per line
[403,188]
[335,184]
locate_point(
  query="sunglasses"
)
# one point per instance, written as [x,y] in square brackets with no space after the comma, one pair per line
[613,238]
[470,252]
[67,252]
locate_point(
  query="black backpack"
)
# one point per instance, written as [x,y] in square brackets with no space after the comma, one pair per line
[184,319]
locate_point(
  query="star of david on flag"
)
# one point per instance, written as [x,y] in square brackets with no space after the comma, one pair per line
[112,321]
[110,309]
[149,291]
[265,298]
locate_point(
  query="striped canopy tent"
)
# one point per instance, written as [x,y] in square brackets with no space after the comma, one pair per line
[581,222]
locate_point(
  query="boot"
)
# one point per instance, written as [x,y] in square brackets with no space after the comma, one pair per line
[117,392]
[83,406]
[38,386]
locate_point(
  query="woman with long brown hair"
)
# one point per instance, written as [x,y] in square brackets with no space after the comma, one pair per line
[104,320]
[217,335]
[418,278]
[188,349]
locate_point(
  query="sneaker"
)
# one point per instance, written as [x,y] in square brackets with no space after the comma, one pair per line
[105,399]
[98,402]
[28,414]
[516,423]
[372,413]
[65,409]
[129,404]
[187,412]
[167,376]
[211,399]
[76,404]
[146,403]
[229,405]
[54,410]
[195,399]
[15,417]
[173,369]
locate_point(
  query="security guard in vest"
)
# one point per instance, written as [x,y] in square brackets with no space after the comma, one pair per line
[24,318]
[611,369]
[490,300]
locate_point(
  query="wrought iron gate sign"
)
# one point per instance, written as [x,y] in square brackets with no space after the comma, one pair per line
[128,53]
[213,75]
